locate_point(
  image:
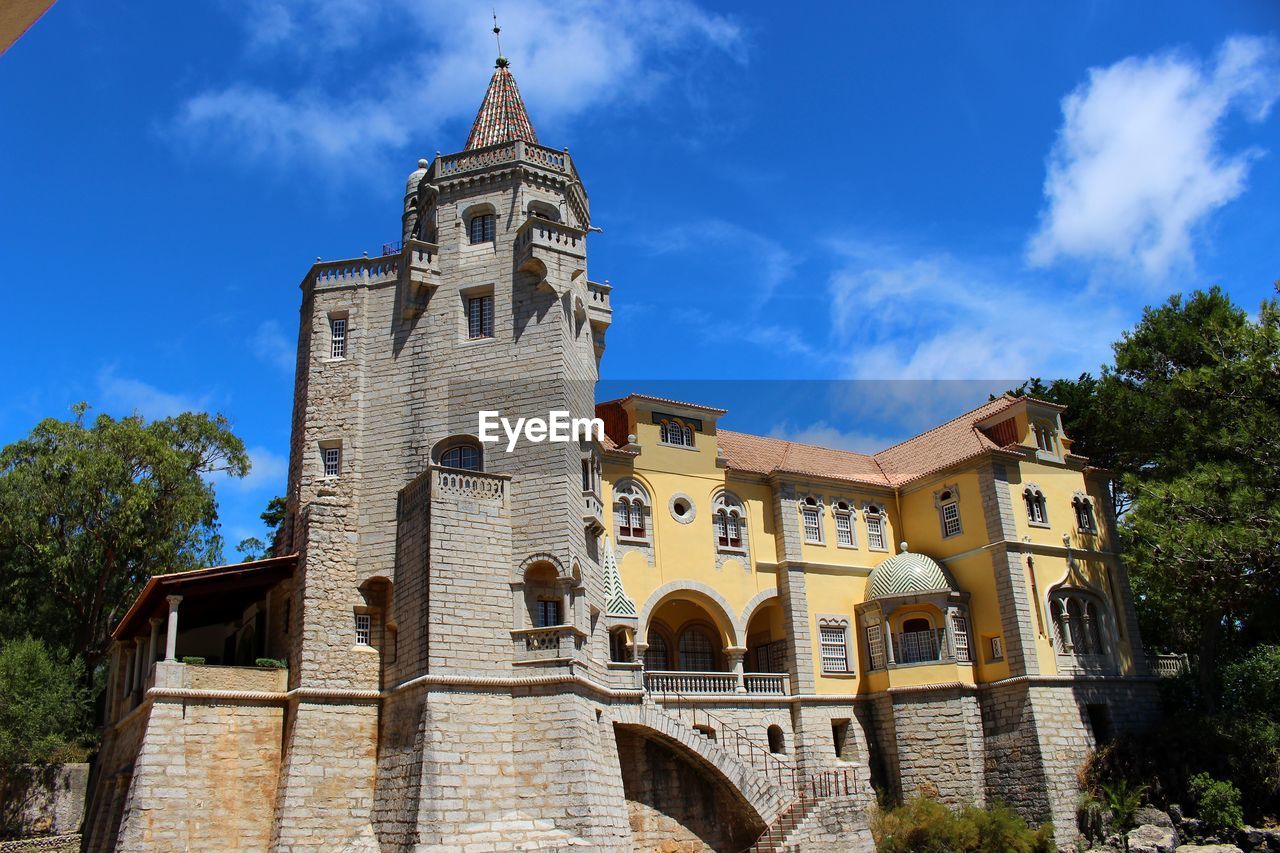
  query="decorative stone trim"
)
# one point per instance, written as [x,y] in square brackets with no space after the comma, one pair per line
[690,515]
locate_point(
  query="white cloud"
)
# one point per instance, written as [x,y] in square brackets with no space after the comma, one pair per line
[824,434]
[1139,160]
[271,346]
[268,472]
[125,395]
[570,58]
[908,314]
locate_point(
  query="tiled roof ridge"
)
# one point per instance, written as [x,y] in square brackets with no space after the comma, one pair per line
[1005,398]
[790,443]
[656,399]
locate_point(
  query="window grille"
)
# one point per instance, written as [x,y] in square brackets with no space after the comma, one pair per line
[364,629]
[1084,515]
[960,630]
[812,524]
[332,461]
[875,645]
[844,526]
[950,519]
[835,651]
[696,653]
[338,337]
[480,317]
[482,228]
[875,529]
[464,456]
[548,613]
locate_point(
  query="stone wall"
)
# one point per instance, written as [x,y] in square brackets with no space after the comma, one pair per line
[44,799]
[674,806]
[939,744]
[839,823]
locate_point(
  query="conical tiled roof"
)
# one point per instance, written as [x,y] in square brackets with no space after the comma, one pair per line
[502,117]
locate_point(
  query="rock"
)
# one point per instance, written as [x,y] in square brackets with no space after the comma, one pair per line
[1152,839]
[1261,840]
[1175,812]
[1149,816]
[1208,848]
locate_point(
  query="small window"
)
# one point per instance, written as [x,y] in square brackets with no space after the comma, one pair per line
[777,742]
[844,526]
[482,228]
[812,521]
[835,651]
[676,433]
[464,456]
[730,522]
[332,461]
[1084,514]
[548,613]
[480,317]
[949,512]
[1037,511]
[840,739]
[960,628]
[363,629]
[875,645]
[1045,438]
[875,528]
[338,337]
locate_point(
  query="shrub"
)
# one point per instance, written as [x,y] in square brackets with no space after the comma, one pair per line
[273,663]
[923,825]
[44,707]
[1217,803]
[1122,799]
[193,659]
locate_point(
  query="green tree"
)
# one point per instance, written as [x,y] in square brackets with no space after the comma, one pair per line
[44,708]
[88,512]
[251,548]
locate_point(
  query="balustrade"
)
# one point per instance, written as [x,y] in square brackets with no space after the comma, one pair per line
[766,683]
[691,682]
[921,646]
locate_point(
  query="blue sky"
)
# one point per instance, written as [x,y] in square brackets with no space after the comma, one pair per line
[887,198]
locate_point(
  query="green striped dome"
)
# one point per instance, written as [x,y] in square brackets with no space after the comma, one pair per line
[907,573]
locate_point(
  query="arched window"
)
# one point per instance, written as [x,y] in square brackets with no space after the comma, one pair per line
[948,503]
[463,454]
[1079,626]
[482,227]
[918,642]
[657,657]
[697,652]
[1084,514]
[676,432]
[873,516]
[730,522]
[1037,511]
[845,535]
[619,648]
[542,210]
[631,503]
[811,515]
[777,742]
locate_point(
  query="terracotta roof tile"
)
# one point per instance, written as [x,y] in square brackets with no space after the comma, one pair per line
[502,116]
[944,445]
[760,455]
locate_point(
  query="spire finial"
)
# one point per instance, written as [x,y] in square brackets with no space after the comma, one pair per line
[497,36]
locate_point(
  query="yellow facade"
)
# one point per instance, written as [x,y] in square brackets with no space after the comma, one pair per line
[680,574]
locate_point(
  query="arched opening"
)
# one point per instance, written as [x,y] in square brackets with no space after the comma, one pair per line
[917,640]
[619,646]
[462,452]
[766,640]
[696,634]
[777,743]
[542,596]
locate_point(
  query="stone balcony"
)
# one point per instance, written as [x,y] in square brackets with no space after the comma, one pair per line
[600,309]
[507,155]
[592,512]
[557,643]
[716,683]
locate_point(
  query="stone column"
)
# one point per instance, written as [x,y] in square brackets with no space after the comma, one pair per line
[153,647]
[126,683]
[733,656]
[171,641]
[138,677]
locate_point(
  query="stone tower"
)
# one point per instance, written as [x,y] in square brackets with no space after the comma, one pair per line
[423,553]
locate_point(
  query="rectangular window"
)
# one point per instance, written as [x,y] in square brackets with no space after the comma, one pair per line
[482,228]
[332,461]
[812,525]
[875,645]
[338,337]
[960,627]
[363,629]
[548,613]
[480,317]
[835,651]
[844,529]
[875,531]
[840,740]
[950,519]
[1084,516]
